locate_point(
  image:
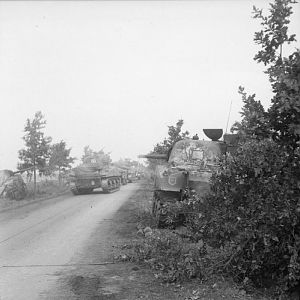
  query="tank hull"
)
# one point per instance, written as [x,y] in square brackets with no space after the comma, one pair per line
[84,181]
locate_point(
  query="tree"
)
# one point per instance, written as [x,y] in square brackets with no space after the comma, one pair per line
[284,113]
[175,135]
[282,120]
[254,122]
[37,146]
[127,162]
[274,33]
[100,157]
[255,195]
[284,73]
[60,159]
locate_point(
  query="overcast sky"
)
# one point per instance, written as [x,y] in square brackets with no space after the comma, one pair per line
[115,74]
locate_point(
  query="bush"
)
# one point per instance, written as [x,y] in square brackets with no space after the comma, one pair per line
[254,207]
[172,257]
[46,188]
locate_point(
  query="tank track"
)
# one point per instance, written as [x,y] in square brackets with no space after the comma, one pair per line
[111,184]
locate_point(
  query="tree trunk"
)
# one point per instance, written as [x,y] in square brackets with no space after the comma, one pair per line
[34,178]
[59,176]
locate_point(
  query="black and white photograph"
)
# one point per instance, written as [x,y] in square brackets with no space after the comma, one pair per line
[150,149]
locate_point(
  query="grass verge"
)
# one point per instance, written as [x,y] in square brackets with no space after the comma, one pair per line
[45,190]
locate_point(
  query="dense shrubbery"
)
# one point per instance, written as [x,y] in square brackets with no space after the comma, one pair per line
[176,257]
[248,226]
[253,207]
[46,188]
[172,258]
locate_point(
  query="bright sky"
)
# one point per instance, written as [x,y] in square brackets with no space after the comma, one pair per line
[115,74]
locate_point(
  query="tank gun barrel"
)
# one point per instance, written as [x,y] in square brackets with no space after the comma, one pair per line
[22,170]
[154,156]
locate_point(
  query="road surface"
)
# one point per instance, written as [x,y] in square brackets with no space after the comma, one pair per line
[41,240]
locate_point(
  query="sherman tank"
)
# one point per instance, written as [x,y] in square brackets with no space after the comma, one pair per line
[188,166]
[92,175]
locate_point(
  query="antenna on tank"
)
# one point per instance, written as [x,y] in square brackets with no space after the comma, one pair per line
[228,116]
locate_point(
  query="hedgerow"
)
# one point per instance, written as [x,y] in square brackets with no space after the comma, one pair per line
[253,206]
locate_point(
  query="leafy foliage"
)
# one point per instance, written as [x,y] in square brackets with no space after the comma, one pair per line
[284,73]
[275,31]
[127,162]
[174,135]
[184,259]
[254,207]
[60,159]
[100,157]
[254,119]
[284,113]
[37,146]
[36,152]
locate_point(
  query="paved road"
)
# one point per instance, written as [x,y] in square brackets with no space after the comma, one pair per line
[39,240]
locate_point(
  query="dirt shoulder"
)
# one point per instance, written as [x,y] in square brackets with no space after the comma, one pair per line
[101,273]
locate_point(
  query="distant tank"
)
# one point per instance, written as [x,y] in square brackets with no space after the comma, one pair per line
[12,185]
[188,165]
[92,175]
[124,174]
[133,176]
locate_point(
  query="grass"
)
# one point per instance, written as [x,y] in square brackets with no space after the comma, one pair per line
[45,189]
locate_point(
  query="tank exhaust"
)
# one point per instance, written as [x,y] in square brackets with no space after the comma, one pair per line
[213,134]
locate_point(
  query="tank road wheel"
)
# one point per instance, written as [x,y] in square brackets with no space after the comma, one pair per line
[111,185]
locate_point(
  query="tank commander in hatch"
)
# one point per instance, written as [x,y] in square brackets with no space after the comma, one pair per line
[196,137]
